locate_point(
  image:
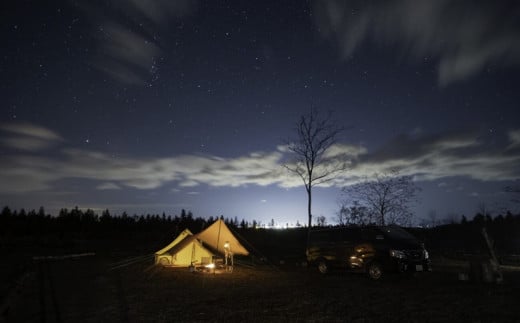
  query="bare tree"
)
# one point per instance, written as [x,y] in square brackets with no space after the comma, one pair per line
[354,213]
[387,196]
[314,136]
[342,216]
[321,221]
[483,209]
[433,219]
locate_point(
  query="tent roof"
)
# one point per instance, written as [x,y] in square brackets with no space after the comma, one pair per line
[185,233]
[186,242]
[217,234]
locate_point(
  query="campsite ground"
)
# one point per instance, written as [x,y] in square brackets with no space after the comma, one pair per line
[94,289]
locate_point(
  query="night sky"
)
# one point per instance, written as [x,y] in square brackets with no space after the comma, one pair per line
[151,106]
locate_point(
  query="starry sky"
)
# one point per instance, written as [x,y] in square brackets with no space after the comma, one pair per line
[158,105]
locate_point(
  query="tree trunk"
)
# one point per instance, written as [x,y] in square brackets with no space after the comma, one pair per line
[382,214]
[309,203]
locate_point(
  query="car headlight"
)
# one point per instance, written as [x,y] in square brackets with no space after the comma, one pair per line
[397,254]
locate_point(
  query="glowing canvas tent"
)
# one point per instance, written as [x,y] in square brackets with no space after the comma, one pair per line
[189,249]
[217,235]
[184,251]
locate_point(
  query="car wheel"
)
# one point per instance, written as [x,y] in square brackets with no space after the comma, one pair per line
[323,266]
[375,271]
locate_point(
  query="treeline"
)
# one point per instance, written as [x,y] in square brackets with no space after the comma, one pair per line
[78,223]
[73,224]
[466,236]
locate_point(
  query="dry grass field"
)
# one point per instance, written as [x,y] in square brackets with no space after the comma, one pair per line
[86,289]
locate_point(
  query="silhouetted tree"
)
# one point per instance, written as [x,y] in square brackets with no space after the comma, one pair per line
[63,214]
[105,217]
[321,221]
[479,219]
[354,214]
[483,209]
[341,217]
[314,136]
[387,196]
[499,219]
[6,212]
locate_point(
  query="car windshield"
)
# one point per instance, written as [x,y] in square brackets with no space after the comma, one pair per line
[396,233]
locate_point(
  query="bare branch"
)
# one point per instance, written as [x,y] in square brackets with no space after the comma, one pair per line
[314,136]
[387,197]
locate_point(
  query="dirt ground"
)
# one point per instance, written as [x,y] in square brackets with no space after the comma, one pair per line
[89,289]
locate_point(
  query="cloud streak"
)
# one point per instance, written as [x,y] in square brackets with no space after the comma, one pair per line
[29,137]
[426,158]
[127,34]
[448,155]
[462,35]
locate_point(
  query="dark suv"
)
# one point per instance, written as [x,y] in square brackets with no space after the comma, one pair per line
[373,250]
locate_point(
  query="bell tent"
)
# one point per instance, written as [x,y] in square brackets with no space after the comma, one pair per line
[184,251]
[189,249]
[218,236]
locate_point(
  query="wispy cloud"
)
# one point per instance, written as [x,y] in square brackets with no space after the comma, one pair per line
[127,34]
[462,35]
[514,139]
[26,136]
[426,158]
[25,173]
[158,11]
[125,55]
[108,186]
[27,129]
[447,155]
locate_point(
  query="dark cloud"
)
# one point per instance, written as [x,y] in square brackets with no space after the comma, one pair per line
[445,155]
[415,147]
[463,35]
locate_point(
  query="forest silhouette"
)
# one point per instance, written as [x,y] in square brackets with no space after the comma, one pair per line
[75,226]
